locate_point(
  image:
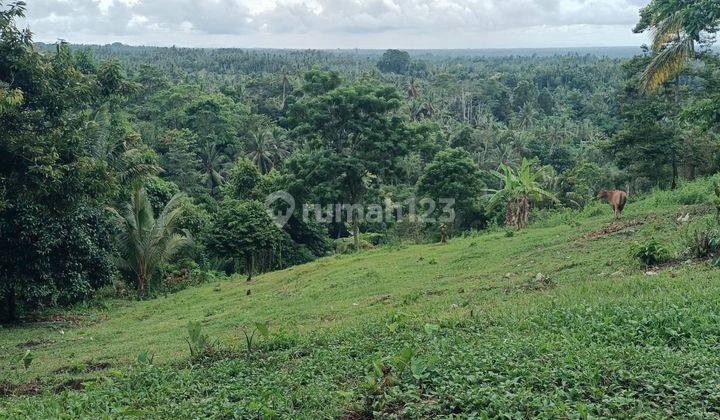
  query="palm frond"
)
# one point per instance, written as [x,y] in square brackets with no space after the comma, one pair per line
[666,64]
[664,30]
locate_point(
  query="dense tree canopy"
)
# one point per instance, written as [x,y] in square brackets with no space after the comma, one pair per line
[85,127]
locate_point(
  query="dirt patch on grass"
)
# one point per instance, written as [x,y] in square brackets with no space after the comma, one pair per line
[85,367]
[538,283]
[66,319]
[380,299]
[612,228]
[31,344]
[8,389]
[94,367]
[70,384]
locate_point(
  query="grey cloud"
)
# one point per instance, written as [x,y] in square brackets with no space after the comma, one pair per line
[183,18]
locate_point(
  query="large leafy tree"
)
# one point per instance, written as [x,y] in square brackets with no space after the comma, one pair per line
[454,175]
[242,230]
[395,61]
[243,181]
[145,242]
[53,247]
[180,161]
[353,135]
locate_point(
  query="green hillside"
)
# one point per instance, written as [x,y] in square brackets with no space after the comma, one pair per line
[554,320]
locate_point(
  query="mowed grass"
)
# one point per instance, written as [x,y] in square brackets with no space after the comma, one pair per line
[552,321]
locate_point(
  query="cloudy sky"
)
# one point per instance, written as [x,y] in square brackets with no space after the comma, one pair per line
[339,23]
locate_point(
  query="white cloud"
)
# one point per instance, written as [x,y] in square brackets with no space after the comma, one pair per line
[339,23]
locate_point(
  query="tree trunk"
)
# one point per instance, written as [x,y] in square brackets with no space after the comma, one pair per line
[356,230]
[250,262]
[674,171]
[10,304]
[523,212]
[512,214]
[142,280]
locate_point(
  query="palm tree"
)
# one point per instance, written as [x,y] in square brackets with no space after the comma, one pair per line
[214,164]
[266,148]
[145,242]
[675,26]
[117,145]
[517,191]
[672,48]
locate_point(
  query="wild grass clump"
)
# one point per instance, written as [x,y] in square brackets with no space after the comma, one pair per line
[650,252]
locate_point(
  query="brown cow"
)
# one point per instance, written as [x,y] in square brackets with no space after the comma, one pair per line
[617,200]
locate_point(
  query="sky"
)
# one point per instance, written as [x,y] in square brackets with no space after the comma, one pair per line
[329,24]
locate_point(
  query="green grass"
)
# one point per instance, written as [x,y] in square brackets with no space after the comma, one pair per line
[480,331]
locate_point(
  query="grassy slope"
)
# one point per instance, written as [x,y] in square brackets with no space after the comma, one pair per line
[603,338]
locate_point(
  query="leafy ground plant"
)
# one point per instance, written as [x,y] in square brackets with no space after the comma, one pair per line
[650,252]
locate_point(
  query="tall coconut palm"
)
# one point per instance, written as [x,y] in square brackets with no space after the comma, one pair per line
[144,242]
[214,164]
[672,48]
[675,27]
[266,148]
[519,188]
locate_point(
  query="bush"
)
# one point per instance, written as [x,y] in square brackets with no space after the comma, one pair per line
[407,231]
[347,245]
[374,238]
[703,242]
[650,252]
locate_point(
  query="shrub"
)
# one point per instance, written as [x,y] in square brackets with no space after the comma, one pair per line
[650,252]
[703,242]
[374,238]
[406,230]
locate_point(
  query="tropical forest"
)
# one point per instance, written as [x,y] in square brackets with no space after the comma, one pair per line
[262,232]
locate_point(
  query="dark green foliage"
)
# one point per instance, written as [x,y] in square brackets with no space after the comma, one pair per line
[355,135]
[243,181]
[318,82]
[582,183]
[650,252]
[53,242]
[159,192]
[453,174]
[54,258]
[242,229]
[397,61]
[311,234]
[645,144]
[180,161]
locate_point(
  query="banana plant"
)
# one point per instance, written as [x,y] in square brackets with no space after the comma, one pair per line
[519,187]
